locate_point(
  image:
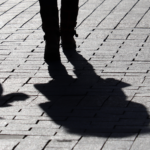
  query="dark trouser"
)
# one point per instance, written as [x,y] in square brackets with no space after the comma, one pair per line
[49,15]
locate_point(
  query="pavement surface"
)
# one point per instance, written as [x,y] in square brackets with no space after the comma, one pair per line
[97,98]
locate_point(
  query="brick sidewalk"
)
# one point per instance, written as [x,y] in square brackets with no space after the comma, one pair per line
[96,99]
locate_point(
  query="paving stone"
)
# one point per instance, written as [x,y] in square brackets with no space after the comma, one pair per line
[35,131]
[66,137]
[32,144]
[110,145]
[39,80]
[10,137]
[9,143]
[89,146]
[140,144]
[32,112]
[57,148]
[62,143]
[21,121]
[50,124]
[7,147]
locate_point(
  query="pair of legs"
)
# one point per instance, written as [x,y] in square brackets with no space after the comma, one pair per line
[50,25]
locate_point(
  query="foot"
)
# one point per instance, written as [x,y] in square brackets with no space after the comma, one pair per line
[67,40]
[51,53]
[68,43]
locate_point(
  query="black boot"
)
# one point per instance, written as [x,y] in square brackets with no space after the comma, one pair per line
[67,37]
[50,25]
[68,24]
[52,47]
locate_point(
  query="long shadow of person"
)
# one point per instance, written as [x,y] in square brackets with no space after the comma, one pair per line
[5,100]
[88,104]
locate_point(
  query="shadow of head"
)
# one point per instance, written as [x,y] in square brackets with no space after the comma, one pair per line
[91,105]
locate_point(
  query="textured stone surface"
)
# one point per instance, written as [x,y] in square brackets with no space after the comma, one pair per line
[98,97]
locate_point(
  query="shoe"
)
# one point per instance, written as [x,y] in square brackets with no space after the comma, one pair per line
[51,53]
[68,41]
[52,46]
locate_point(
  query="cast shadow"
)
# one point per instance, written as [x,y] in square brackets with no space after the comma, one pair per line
[6,99]
[90,105]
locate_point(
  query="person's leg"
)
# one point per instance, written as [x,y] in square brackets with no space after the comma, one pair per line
[69,13]
[50,26]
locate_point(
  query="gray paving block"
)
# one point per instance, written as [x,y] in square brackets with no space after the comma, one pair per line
[50,124]
[23,121]
[34,131]
[140,144]
[110,145]
[57,148]
[32,144]
[62,143]
[32,112]
[7,147]
[11,137]
[66,137]
[14,126]
[10,142]
[88,146]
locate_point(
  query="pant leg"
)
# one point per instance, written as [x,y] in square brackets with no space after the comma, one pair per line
[49,15]
[69,13]
[69,4]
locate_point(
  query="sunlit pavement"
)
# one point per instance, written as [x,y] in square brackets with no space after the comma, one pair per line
[97,98]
